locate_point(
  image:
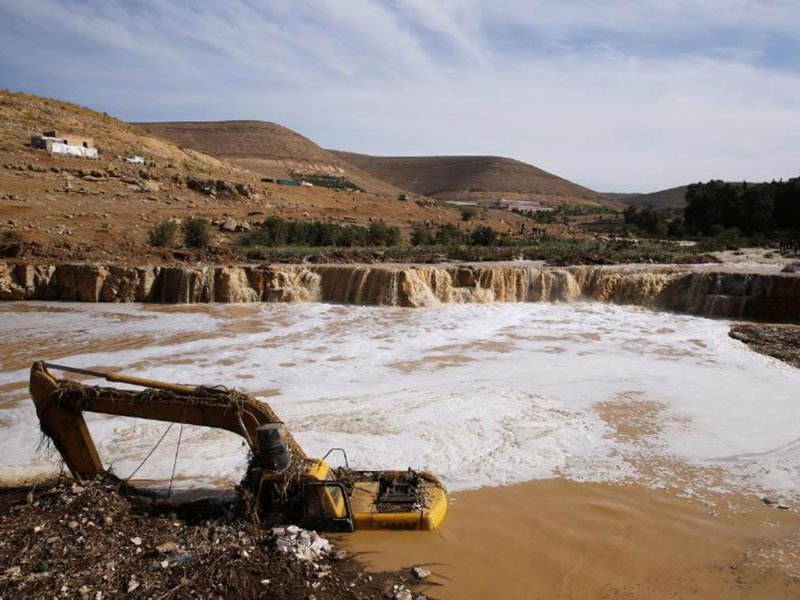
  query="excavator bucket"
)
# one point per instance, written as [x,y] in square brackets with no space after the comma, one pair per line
[64,426]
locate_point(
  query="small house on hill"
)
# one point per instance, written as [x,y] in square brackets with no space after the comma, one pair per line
[69,144]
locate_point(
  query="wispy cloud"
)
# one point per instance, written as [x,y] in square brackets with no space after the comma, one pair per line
[618,95]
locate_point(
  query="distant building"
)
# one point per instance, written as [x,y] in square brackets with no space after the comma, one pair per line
[462,203]
[521,205]
[69,144]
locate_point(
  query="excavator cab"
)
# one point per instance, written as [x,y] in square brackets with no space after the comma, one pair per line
[282,478]
[325,501]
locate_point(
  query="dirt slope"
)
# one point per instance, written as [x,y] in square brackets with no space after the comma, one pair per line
[55,207]
[267,148]
[480,179]
[671,198]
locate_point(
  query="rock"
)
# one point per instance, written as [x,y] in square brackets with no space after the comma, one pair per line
[136,541]
[132,585]
[403,594]
[265,582]
[794,268]
[12,572]
[420,572]
[72,525]
[77,489]
[230,225]
[782,506]
[167,547]
[149,186]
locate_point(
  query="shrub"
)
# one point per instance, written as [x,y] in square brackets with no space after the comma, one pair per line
[383,235]
[449,234]
[468,213]
[422,236]
[164,235]
[279,232]
[483,236]
[197,233]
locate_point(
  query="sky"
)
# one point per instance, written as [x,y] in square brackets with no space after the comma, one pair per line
[618,95]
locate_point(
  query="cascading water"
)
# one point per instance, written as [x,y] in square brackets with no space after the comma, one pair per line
[773,296]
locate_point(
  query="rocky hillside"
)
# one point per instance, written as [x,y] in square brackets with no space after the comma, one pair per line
[71,208]
[266,148]
[482,179]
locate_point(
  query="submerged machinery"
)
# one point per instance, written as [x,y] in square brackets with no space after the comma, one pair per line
[285,483]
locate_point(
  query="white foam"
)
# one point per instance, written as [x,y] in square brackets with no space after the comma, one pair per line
[480,394]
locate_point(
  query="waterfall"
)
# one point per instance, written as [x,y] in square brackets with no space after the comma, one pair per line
[683,289]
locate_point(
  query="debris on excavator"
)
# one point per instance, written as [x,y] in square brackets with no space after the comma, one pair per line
[283,483]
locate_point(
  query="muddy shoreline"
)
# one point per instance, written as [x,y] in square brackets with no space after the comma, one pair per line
[778,341]
[96,540]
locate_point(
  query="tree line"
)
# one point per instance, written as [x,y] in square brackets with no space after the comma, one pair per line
[751,208]
[276,231]
[718,208]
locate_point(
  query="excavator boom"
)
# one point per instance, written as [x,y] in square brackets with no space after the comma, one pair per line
[60,405]
[280,475]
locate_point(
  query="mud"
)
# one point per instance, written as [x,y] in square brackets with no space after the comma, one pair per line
[559,539]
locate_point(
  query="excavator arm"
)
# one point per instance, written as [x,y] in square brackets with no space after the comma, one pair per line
[60,405]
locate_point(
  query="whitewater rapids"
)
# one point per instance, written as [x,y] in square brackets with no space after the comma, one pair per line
[483,395]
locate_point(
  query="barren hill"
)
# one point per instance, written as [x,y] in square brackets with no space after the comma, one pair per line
[57,207]
[266,148]
[481,179]
[671,198]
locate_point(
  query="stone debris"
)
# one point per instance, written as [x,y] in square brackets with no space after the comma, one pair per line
[300,543]
[89,540]
[420,572]
[791,268]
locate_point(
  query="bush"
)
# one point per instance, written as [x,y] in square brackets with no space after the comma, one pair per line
[383,235]
[422,236]
[449,234]
[468,213]
[483,236]
[164,235]
[197,233]
[278,232]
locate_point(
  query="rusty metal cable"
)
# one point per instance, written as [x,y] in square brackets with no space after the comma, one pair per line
[175,461]
[149,454]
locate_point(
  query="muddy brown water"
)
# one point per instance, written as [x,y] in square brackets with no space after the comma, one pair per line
[561,539]
[556,538]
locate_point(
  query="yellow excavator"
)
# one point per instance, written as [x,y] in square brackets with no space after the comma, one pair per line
[284,482]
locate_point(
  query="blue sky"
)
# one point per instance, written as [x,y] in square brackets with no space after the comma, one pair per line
[619,95]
